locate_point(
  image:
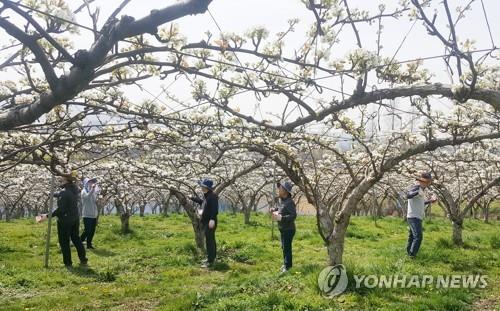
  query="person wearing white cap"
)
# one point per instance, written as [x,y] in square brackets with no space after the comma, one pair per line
[89,210]
[285,215]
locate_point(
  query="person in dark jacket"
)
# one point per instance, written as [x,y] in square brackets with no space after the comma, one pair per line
[209,211]
[285,215]
[68,220]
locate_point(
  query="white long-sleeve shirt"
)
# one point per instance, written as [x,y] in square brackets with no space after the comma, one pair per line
[416,202]
[89,204]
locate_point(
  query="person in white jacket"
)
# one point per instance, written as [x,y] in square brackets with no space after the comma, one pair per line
[89,210]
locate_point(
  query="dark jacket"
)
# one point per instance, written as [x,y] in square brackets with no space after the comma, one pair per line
[67,204]
[288,214]
[210,206]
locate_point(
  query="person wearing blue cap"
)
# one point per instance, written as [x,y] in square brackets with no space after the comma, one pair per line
[416,211]
[210,209]
[285,215]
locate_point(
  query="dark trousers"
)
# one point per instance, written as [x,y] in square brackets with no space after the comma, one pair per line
[89,225]
[415,236]
[286,245]
[210,244]
[65,232]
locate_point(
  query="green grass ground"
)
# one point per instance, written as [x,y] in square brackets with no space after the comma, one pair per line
[157,267]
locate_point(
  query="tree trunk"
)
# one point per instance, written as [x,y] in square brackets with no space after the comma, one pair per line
[247,212]
[335,246]
[178,208]
[100,207]
[486,214]
[335,243]
[452,208]
[199,235]
[124,218]
[166,205]
[191,211]
[246,209]
[7,214]
[378,208]
[457,233]
[142,209]
[428,212]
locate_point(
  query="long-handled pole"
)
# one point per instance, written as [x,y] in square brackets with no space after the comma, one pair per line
[49,222]
[274,202]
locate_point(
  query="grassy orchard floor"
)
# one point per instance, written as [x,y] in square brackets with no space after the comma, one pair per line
[157,268]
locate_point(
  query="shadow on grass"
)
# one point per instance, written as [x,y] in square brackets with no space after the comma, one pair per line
[6,249]
[88,272]
[221,267]
[102,252]
[253,223]
[82,271]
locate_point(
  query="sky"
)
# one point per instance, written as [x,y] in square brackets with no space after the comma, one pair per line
[240,15]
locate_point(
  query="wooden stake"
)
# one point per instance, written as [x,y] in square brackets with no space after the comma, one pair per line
[49,222]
